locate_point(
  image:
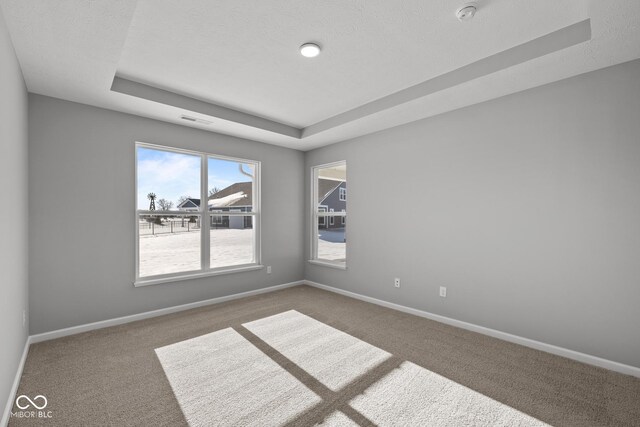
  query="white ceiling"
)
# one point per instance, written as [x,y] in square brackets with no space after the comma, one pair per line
[244,56]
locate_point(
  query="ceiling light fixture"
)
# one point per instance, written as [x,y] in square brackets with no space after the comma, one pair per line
[310,50]
[467,11]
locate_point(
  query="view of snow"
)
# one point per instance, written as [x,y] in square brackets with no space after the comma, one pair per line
[165,252]
[332,245]
[179,252]
[227,200]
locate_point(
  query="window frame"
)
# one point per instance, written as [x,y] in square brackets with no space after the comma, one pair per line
[205,219]
[317,213]
[322,208]
[342,196]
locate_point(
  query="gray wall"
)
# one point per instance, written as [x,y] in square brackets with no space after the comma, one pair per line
[81,190]
[13,193]
[526,207]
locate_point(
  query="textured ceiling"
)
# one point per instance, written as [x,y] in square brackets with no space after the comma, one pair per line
[243,56]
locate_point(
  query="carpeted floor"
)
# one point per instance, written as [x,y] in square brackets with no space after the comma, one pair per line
[408,368]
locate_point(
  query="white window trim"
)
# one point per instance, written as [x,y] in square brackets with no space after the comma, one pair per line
[332,220]
[328,263]
[203,212]
[178,277]
[315,215]
[342,194]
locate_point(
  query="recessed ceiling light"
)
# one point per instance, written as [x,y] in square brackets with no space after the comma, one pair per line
[310,50]
[467,11]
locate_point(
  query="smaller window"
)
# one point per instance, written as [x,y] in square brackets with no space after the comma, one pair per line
[343,194]
[216,219]
[328,231]
[321,220]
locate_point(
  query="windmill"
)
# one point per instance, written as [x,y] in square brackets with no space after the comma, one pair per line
[152,207]
[152,197]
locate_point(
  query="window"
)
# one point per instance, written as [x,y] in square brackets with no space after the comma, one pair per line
[216,220]
[196,214]
[329,237]
[321,220]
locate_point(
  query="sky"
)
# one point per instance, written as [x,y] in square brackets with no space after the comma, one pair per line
[172,175]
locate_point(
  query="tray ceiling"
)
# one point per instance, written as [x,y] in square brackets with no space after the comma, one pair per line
[235,64]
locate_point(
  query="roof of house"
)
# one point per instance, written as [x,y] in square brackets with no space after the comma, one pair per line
[238,194]
[326,187]
[196,202]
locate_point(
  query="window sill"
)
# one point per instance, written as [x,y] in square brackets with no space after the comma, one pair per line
[336,265]
[179,278]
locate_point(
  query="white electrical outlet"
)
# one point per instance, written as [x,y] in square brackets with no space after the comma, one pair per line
[396,282]
[268,269]
[443,291]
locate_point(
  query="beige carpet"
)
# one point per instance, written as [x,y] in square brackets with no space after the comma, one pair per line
[272,357]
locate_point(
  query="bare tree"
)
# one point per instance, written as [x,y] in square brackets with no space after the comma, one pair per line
[164,204]
[213,191]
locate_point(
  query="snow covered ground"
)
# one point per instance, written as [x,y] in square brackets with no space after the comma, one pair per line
[167,253]
[331,245]
[178,252]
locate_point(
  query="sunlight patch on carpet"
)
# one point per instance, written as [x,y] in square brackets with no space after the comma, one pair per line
[331,356]
[412,395]
[222,379]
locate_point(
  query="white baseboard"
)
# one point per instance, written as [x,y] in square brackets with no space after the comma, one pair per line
[560,351]
[119,321]
[549,348]
[46,336]
[16,383]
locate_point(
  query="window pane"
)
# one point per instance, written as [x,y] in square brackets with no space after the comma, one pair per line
[168,244]
[232,240]
[230,185]
[332,239]
[332,188]
[331,198]
[167,180]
